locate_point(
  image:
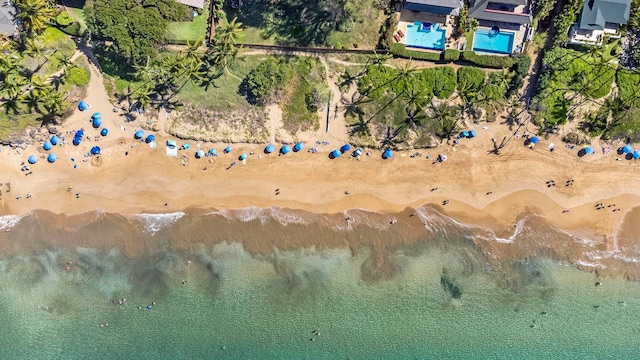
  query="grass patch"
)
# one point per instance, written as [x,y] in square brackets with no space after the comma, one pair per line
[189,30]
[14,125]
[363,35]
[78,14]
[307,92]
[224,96]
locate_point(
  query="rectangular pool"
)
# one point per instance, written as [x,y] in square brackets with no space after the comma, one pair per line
[501,43]
[419,36]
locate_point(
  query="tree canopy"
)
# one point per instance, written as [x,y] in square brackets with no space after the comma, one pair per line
[134,26]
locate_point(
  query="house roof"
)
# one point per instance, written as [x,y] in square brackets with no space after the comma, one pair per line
[7,23]
[444,7]
[595,13]
[443,3]
[478,10]
[193,3]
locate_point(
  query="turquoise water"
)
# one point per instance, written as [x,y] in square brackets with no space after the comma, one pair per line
[431,39]
[266,307]
[500,43]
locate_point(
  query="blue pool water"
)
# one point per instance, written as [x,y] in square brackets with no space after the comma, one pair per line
[418,37]
[501,43]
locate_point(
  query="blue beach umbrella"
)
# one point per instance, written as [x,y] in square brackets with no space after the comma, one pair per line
[139,134]
[95,150]
[243,157]
[96,122]
[104,132]
[76,141]
[83,105]
[80,133]
[149,138]
[627,149]
[298,146]
[534,140]
[636,154]
[212,151]
[47,146]
[52,158]
[588,150]
[472,133]
[465,133]
[345,148]
[32,159]
[227,149]
[199,154]
[387,154]
[269,149]
[96,115]
[335,154]
[54,140]
[285,149]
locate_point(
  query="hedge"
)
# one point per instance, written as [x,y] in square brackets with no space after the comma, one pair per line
[64,19]
[400,50]
[451,55]
[73,29]
[78,76]
[491,61]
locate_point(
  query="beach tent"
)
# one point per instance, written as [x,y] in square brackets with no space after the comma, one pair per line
[358,152]
[83,105]
[243,157]
[96,115]
[636,154]
[32,159]
[269,149]
[335,154]
[213,152]
[172,143]
[199,154]
[149,138]
[534,140]
[465,134]
[588,150]
[285,149]
[96,122]
[95,150]
[186,146]
[47,146]
[472,134]
[627,149]
[139,134]
[298,146]
[387,154]
[345,148]
[52,158]
[227,149]
[54,140]
[104,132]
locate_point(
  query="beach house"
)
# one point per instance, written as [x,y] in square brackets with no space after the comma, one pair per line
[504,25]
[427,24]
[599,17]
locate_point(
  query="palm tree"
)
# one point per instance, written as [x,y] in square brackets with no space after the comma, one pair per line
[6,45]
[229,33]
[34,15]
[192,56]
[53,104]
[445,119]
[32,99]
[8,65]
[12,85]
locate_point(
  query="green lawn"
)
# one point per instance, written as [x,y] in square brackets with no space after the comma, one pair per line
[363,35]
[189,30]
[15,124]
[78,14]
[225,95]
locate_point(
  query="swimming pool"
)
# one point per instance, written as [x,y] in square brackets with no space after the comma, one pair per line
[502,42]
[426,37]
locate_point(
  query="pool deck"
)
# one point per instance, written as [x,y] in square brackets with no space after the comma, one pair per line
[408,17]
[518,38]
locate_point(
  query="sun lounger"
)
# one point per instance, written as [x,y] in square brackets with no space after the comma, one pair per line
[400,33]
[396,37]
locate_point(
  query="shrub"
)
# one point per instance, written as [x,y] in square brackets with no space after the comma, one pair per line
[400,50]
[64,19]
[78,76]
[470,78]
[73,29]
[451,55]
[520,69]
[491,61]
[264,81]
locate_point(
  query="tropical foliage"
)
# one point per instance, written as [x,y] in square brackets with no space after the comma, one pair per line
[35,15]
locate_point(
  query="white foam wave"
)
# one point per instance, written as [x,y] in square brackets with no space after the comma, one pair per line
[362,217]
[590,264]
[156,222]
[283,216]
[9,221]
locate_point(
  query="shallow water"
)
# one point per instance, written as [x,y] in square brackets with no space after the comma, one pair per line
[444,300]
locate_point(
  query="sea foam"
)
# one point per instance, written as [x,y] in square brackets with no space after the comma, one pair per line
[9,221]
[156,222]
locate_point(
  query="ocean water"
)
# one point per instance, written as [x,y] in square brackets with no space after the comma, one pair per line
[442,296]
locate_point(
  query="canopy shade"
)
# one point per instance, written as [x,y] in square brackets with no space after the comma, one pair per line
[345,148]
[52,158]
[83,105]
[472,133]
[95,150]
[212,151]
[269,149]
[104,132]
[636,154]
[76,141]
[199,154]
[54,140]
[227,149]
[96,122]
[139,134]
[243,157]
[387,154]
[534,140]
[150,138]
[335,154]
[627,149]
[47,146]
[32,159]
[588,150]
[298,146]
[285,149]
